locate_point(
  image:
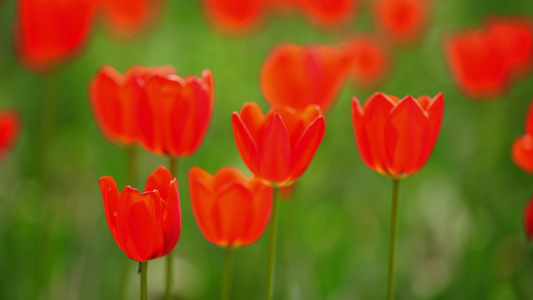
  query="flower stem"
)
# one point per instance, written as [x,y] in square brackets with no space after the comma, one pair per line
[226,285]
[272,246]
[143,266]
[174,164]
[393,233]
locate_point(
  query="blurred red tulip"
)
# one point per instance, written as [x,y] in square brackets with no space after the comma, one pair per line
[522,149]
[9,130]
[402,20]
[127,17]
[515,37]
[478,66]
[395,137]
[234,15]
[148,225]
[329,12]
[50,32]
[114,98]
[301,76]
[528,219]
[369,60]
[174,113]
[278,147]
[230,209]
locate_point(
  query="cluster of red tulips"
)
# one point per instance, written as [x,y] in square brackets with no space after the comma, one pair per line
[169,114]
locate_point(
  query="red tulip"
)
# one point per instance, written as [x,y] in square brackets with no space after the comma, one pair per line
[478,66]
[395,137]
[9,130]
[402,20]
[515,37]
[369,60]
[230,209]
[528,219]
[51,32]
[329,12]
[126,17]
[114,97]
[278,147]
[234,15]
[148,225]
[300,76]
[174,113]
[522,150]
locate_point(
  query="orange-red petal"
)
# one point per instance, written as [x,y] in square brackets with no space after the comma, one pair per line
[528,219]
[307,145]
[9,130]
[275,152]
[247,146]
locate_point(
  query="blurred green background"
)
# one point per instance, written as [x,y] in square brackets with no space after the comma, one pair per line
[460,232]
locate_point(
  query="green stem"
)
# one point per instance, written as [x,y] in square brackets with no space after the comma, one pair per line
[143,266]
[393,234]
[272,246]
[226,285]
[174,163]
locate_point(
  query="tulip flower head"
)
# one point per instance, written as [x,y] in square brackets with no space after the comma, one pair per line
[144,225]
[230,209]
[234,16]
[114,99]
[278,147]
[329,12]
[9,130]
[395,137]
[369,60]
[50,32]
[301,76]
[174,113]
[402,20]
[522,149]
[127,17]
[528,219]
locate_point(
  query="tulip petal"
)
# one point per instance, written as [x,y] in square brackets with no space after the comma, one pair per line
[246,144]
[139,228]
[435,112]
[376,112]
[253,118]
[159,180]
[307,145]
[262,209]
[529,119]
[104,96]
[407,133]
[9,130]
[275,152]
[171,218]
[203,202]
[528,219]
[236,212]
[110,194]
[358,119]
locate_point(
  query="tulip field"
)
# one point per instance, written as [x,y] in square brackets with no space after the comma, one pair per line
[269,149]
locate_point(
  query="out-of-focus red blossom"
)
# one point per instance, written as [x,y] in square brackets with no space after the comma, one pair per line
[477,65]
[174,113]
[127,17]
[230,209]
[522,149]
[484,62]
[148,225]
[299,76]
[9,130]
[329,12]
[235,16]
[528,219]
[402,20]
[114,98]
[278,147]
[50,32]
[369,60]
[515,37]
[395,137]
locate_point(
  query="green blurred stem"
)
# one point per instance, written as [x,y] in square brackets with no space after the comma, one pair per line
[143,266]
[393,234]
[272,246]
[174,164]
[226,285]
